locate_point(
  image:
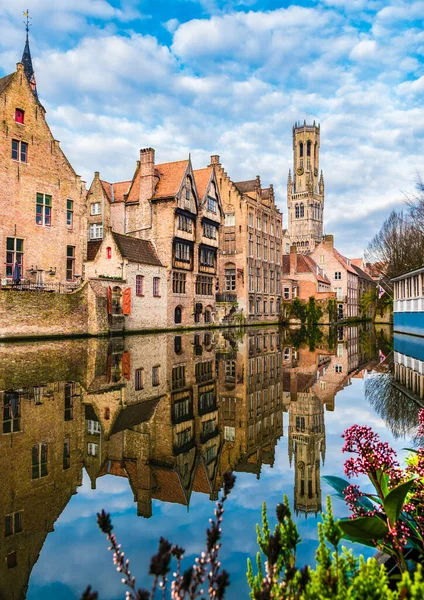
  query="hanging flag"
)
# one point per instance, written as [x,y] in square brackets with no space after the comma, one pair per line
[382,356]
[380,292]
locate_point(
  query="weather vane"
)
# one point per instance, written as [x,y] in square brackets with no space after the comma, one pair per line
[27,21]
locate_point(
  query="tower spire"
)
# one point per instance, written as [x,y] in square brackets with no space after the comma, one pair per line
[26,56]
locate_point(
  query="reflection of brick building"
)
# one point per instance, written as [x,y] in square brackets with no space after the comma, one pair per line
[42,199]
[250,259]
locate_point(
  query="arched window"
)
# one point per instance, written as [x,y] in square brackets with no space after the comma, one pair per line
[178,346]
[178,315]
[316,155]
[302,243]
[301,149]
[208,315]
[297,212]
[302,210]
[308,148]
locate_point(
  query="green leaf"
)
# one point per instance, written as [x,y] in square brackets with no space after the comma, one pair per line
[339,484]
[364,528]
[393,502]
[383,481]
[414,450]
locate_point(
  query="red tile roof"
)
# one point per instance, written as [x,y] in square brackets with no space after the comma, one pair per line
[168,487]
[201,480]
[202,178]
[170,178]
[115,191]
[305,264]
[343,261]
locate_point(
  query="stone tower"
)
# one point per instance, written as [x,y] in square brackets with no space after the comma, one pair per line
[305,189]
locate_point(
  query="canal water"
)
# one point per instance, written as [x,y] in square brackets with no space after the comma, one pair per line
[146,426]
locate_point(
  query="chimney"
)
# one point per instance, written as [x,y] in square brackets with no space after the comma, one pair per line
[215,159]
[293,260]
[147,173]
[329,240]
[96,174]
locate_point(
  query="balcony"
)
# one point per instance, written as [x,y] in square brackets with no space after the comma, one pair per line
[226,297]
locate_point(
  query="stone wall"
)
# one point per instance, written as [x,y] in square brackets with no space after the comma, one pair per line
[30,314]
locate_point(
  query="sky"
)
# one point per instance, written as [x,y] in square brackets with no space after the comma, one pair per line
[231,78]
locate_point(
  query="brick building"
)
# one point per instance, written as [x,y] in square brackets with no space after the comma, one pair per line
[134,278]
[179,211]
[251,252]
[342,276]
[42,199]
[303,278]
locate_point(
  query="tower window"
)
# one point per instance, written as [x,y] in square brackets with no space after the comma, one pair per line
[301,149]
[302,210]
[297,211]
[19,116]
[308,148]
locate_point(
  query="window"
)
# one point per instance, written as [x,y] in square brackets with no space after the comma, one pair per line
[19,151]
[230,280]
[182,252]
[156,286]
[139,379]
[265,256]
[95,208]
[337,275]
[93,427]
[338,368]
[208,315]
[297,211]
[229,434]
[19,115]
[95,231]
[250,219]
[66,453]
[108,252]
[272,282]
[69,214]
[339,292]
[204,285]
[181,409]
[258,247]
[14,255]
[92,449]
[210,454]
[70,263]
[251,244]
[11,412]
[178,283]
[183,437]
[185,223]
[230,220]
[178,377]
[212,204]
[43,210]
[322,259]
[12,560]
[301,149]
[139,285]
[251,286]
[308,148]
[203,371]
[258,279]
[258,222]
[12,524]
[209,231]
[286,293]
[265,226]
[265,281]
[265,307]
[271,252]
[230,242]
[207,257]
[302,210]
[39,461]
[155,376]
[69,402]
[258,306]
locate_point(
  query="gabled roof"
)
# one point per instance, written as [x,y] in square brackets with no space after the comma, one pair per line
[136,250]
[4,82]
[115,191]
[201,481]
[362,274]
[202,178]
[134,415]
[169,487]
[343,260]
[170,177]
[246,186]
[93,248]
[305,264]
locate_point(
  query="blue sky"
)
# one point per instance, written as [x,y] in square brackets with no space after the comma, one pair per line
[231,78]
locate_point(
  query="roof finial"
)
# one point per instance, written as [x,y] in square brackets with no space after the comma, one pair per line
[26,56]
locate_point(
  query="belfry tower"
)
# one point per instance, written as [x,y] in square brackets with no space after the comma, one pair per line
[305,189]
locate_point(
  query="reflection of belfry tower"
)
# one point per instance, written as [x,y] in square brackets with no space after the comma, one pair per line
[307,447]
[305,189]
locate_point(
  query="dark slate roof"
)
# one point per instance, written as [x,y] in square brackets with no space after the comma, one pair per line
[27,61]
[136,250]
[362,274]
[4,82]
[93,248]
[134,415]
[246,186]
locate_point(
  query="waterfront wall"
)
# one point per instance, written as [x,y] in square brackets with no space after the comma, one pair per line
[32,314]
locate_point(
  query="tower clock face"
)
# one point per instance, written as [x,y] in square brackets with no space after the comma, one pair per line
[299,171]
[316,172]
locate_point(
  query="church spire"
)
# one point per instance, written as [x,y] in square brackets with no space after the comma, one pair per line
[26,57]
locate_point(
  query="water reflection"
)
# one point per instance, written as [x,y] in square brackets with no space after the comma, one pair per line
[170,414]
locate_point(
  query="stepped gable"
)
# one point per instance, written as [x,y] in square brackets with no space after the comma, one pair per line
[246,186]
[136,250]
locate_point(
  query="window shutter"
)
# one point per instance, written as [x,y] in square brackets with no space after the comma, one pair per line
[126,301]
[109,300]
[126,365]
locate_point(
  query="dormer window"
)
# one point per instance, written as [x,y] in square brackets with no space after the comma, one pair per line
[19,116]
